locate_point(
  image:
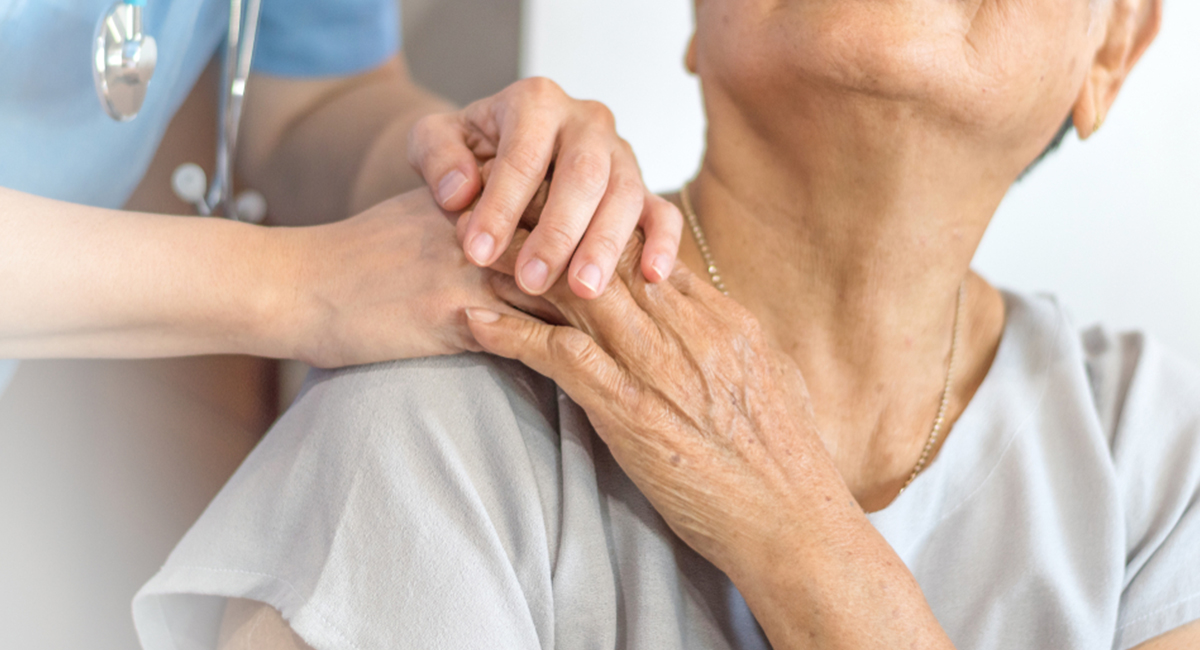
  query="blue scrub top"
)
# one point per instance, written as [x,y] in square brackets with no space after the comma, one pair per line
[55,139]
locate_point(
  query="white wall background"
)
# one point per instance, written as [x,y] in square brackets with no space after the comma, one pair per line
[1111,226]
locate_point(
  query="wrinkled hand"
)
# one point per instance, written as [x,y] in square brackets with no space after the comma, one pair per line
[597,197]
[711,422]
[390,283]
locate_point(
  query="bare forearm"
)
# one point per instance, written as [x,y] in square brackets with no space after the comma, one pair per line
[77,281]
[840,586]
[322,150]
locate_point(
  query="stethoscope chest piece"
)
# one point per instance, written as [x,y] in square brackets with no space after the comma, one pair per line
[123,60]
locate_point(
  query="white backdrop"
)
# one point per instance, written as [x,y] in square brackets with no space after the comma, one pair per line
[1111,226]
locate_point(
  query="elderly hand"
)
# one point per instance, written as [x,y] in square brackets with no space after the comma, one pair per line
[715,427]
[597,198]
[711,423]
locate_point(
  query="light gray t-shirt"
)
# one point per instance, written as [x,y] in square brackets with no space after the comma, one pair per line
[465,502]
[8,368]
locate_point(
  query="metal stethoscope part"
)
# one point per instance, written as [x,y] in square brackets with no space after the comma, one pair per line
[123,61]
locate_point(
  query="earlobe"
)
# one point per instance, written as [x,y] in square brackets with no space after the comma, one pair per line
[1133,25]
[1090,110]
[689,59]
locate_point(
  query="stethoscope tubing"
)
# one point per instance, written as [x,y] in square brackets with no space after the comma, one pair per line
[189,180]
[239,53]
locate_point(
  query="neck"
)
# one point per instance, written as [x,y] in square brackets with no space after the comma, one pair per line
[851,257]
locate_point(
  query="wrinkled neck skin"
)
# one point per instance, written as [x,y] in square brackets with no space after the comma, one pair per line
[846,224]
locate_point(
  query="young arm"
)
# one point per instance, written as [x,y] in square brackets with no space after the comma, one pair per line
[322,149]
[77,281]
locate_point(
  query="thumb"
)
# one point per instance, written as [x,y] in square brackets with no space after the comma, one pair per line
[437,148]
[564,354]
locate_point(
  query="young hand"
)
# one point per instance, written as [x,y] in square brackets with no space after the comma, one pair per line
[390,283]
[596,200]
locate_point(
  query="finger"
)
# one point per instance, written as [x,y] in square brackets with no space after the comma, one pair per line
[596,259]
[663,225]
[582,173]
[533,211]
[694,285]
[437,148]
[458,336]
[506,289]
[614,318]
[507,262]
[460,227]
[527,143]
[564,354]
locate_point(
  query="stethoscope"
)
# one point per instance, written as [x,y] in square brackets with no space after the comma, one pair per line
[123,60]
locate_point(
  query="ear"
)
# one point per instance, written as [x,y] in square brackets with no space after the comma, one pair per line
[689,59]
[1131,27]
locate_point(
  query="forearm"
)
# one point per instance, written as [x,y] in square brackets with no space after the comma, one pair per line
[77,281]
[837,584]
[322,150]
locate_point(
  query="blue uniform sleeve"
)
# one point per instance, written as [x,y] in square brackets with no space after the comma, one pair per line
[325,38]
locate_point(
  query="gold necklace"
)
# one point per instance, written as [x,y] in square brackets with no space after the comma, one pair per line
[715,275]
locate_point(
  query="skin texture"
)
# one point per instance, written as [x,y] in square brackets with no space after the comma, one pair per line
[856,152]
[78,281]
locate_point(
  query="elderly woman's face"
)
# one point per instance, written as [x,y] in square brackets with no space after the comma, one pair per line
[1008,66]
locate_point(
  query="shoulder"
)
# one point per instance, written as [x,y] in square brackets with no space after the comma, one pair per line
[1135,382]
[427,486]
[1142,389]
[469,423]
[455,396]
[1148,400]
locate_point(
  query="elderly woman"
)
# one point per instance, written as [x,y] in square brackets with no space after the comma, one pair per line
[863,445]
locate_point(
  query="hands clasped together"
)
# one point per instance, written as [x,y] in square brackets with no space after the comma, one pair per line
[390,283]
[708,418]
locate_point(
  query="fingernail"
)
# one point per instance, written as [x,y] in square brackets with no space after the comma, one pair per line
[534,275]
[450,185]
[482,315]
[662,266]
[589,276]
[481,248]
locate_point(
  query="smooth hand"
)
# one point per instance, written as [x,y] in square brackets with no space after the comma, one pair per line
[597,197]
[390,283]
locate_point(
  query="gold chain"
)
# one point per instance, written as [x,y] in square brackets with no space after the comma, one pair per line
[715,275]
[701,241]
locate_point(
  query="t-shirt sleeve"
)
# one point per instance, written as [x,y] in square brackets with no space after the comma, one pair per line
[325,38]
[1150,400]
[8,368]
[393,506]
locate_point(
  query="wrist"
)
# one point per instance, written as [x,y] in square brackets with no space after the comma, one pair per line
[839,584]
[274,312]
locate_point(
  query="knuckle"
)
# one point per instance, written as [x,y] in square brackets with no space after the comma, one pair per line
[747,325]
[571,346]
[541,89]
[629,188]
[526,163]
[424,126]
[589,170]
[599,114]
[606,247]
[555,239]
[420,138]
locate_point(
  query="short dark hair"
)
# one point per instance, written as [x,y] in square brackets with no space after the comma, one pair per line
[1054,144]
